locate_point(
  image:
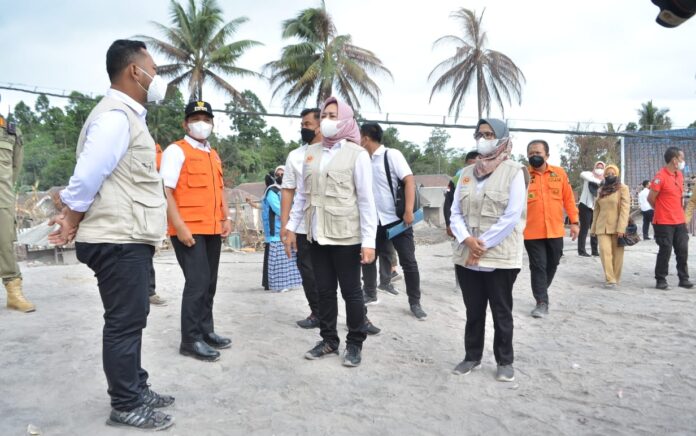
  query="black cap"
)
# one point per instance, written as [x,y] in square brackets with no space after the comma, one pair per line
[196,107]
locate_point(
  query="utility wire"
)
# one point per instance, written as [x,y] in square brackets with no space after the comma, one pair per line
[624,134]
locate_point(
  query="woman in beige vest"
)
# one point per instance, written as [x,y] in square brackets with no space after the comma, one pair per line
[609,222]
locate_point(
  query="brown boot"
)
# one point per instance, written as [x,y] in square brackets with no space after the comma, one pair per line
[15,297]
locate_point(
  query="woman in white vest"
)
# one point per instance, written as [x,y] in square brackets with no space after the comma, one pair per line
[488,217]
[335,197]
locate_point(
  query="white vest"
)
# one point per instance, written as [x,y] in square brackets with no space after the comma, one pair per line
[130,206]
[482,209]
[332,196]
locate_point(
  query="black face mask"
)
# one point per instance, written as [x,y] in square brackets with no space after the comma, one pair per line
[536,161]
[279,180]
[610,180]
[308,135]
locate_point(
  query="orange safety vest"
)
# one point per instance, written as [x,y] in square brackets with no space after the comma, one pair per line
[158,155]
[198,193]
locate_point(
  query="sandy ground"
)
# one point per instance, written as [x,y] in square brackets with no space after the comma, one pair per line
[603,362]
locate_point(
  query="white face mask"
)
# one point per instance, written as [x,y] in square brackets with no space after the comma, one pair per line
[157,88]
[329,128]
[681,165]
[599,171]
[200,130]
[486,146]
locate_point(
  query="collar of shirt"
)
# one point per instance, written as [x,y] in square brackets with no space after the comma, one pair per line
[336,146]
[380,151]
[535,170]
[138,108]
[205,146]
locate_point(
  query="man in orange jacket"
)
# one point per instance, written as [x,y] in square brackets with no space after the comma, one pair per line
[549,193]
[198,217]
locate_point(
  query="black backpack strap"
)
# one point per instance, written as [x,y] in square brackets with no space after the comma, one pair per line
[271,215]
[386,170]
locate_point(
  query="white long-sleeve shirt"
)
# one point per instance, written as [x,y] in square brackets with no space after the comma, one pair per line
[506,222]
[107,139]
[586,196]
[643,200]
[293,172]
[362,177]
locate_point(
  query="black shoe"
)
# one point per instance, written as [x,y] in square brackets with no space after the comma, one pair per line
[418,312]
[199,350]
[320,350]
[216,341]
[584,254]
[155,400]
[369,301]
[595,253]
[466,366]
[370,328]
[541,310]
[143,418]
[395,276]
[352,356]
[389,288]
[685,284]
[662,284]
[646,238]
[311,322]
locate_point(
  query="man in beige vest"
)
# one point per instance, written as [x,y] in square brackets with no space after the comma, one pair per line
[115,210]
[11,153]
[335,198]
[488,218]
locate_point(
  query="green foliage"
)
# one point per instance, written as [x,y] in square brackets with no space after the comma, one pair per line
[653,118]
[198,46]
[692,125]
[631,127]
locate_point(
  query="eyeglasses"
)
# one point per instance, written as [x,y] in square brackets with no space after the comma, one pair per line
[486,135]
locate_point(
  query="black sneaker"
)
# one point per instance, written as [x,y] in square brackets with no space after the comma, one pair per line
[352,356]
[595,253]
[584,254]
[320,350]
[155,400]
[395,276]
[505,373]
[143,418]
[370,328]
[662,284]
[685,284]
[541,310]
[466,366]
[369,301]
[388,288]
[418,311]
[311,322]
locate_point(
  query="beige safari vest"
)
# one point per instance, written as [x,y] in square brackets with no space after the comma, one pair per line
[130,206]
[482,209]
[331,196]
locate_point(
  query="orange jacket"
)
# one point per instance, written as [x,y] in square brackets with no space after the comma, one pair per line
[198,193]
[549,193]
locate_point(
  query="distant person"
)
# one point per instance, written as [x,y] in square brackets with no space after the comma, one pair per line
[281,270]
[549,194]
[611,211]
[11,154]
[488,219]
[335,198]
[647,210]
[389,169]
[198,222]
[470,159]
[669,221]
[115,210]
[590,186]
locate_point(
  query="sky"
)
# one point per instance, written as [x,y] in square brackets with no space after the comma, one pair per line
[586,63]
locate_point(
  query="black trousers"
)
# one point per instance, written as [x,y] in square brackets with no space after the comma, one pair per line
[666,237]
[199,264]
[264,278]
[585,226]
[123,275]
[544,256]
[304,264]
[336,265]
[480,289]
[647,220]
[406,249]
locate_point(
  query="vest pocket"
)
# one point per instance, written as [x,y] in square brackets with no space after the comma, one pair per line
[149,218]
[339,183]
[341,222]
[192,207]
[494,203]
[143,166]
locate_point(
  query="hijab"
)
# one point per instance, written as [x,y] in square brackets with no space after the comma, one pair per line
[347,126]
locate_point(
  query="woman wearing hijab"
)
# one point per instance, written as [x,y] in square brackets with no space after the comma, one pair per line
[488,218]
[335,197]
[609,221]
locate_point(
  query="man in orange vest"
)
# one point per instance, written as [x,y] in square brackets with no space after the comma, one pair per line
[198,217]
[549,193]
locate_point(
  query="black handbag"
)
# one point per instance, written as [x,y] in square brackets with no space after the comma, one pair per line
[400,195]
[631,236]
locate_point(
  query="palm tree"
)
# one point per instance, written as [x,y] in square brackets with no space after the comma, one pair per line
[323,62]
[653,118]
[197,45]
[497,77]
